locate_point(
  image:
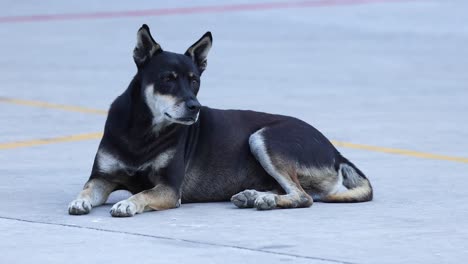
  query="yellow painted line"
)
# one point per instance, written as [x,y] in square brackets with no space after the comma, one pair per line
[36,142]
[403,152]
[46,141]
[89,136]
[40,104]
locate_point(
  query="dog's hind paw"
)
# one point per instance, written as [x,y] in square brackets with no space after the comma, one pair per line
[79,207]
[245,199]
[265,202]
[123,208]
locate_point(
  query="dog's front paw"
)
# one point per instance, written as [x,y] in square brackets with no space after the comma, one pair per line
[123,208]
[245,199]
[79,207]
[265,202]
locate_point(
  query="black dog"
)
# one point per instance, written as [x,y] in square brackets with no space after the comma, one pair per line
[164,147]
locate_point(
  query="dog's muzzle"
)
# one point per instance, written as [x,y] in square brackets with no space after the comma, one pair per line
[192,106]
[186,120]
[191,112]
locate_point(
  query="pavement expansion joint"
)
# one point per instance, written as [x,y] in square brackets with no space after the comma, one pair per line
[176,239]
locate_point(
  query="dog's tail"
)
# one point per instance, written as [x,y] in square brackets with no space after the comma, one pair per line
[358,186]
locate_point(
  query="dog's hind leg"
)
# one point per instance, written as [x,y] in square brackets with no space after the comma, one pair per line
[160,197]
[283,170]
[94,193]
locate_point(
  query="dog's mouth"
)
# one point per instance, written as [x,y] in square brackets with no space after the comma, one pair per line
[182,120]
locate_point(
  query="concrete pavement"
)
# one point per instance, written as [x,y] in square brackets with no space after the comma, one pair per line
[382,73]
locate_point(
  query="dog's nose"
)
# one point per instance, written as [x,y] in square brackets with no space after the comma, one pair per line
[193,105]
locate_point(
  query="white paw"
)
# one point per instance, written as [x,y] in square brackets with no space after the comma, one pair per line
[245,199]
[265,202]
[123,208]
[79,207]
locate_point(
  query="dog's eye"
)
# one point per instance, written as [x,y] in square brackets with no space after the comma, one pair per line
[168,78]
[194,82]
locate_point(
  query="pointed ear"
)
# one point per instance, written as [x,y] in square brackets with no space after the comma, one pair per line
[145,47]
[199,51]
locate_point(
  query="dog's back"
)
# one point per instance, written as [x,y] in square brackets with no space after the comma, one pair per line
[222,163]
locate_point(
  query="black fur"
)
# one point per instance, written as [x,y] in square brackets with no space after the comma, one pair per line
[212,159]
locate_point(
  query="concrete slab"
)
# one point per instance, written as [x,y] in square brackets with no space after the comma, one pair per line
[386,74]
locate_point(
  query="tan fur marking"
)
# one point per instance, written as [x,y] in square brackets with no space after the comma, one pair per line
[284,172]
[96,191]
[361,193]
[297,198]
[160,197]
[319,181]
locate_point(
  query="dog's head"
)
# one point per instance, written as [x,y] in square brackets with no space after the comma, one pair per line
[170,81]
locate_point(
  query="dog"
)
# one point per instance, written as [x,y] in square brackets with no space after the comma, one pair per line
[160,144]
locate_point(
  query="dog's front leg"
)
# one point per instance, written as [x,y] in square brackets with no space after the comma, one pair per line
[161,197]
[94,193]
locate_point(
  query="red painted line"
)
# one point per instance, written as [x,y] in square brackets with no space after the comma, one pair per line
[189,10]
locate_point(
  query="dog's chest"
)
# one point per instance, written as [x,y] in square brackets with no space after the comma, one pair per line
[108,163]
